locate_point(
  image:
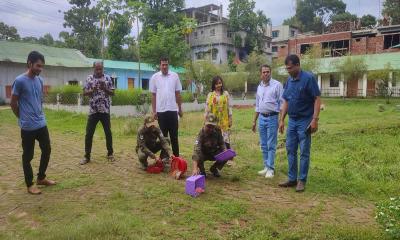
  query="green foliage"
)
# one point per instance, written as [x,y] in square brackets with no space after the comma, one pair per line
[164,41]
[130,97]
[242,17]
[253,65]
[310,60]
[187,97]
[116,35]
[368,21]
[234,82]
[344,17]
[201,72]
[353,68]
[388,215]
[83,18]
[8,32]
[315,15]
[392,9]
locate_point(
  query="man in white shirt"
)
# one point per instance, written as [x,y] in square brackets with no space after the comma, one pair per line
[166,101]
[268,102]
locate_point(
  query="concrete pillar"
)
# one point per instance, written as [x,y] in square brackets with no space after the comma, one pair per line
[341,85]
[364,85]
[319,81]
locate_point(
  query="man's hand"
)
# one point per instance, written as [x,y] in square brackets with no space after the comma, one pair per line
[281,127]
[155,116]
[195,171]
[314,125]
[157,158]
[254,128]
[180,113]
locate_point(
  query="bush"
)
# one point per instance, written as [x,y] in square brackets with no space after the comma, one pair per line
[187,97]
[68,94]
[131,97]
[201,99]
[388,215]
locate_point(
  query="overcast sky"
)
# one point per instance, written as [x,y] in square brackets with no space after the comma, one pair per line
[38,17]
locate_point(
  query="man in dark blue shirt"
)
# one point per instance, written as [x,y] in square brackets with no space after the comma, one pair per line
[302,103]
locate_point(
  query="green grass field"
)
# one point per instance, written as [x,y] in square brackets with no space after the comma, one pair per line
[354,166]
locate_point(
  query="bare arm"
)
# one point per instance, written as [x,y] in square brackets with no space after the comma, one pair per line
[154,104]
[256,114]
[314,122]
[282,116]
[14,105]
[179,102]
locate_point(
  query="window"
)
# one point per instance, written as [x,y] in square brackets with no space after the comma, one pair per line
[8,91]
[333,80]
[391,40]
[358,39]
[131,83]
[304,48]
[145,84]
[73,82]
[275,34]
[201,32]
[292,33]
[274,49]
[336,48]
[268,45]
[195,35]
[212,32]
[229,34]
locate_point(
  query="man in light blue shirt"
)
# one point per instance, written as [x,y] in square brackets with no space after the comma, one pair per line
[268,102]
[26,103]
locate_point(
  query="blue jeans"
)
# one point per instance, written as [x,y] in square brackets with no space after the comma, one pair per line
[297,135]
[268,128]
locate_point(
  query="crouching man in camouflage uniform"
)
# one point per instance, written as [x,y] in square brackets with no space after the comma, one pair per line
[150,140]
[209,143]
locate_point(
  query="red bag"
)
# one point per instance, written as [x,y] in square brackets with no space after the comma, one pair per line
[157,167]
[178,167]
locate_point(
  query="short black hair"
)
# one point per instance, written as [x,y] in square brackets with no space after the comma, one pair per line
[265,66]
[164,59]
[214,82]
[35,56]
[98,62]
[293,58]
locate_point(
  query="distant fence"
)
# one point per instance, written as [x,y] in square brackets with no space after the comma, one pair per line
[371,93]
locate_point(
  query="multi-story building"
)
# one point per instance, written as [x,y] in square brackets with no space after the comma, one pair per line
[212,39]
[280,38]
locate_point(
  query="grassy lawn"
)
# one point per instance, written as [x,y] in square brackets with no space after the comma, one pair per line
[354,166]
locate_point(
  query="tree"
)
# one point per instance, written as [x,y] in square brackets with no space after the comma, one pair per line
[201,72]
[368,21]
[243,18]
[164,42]
[314,15]
[116,35]
[8,32]
[47,40]
[392,9]
[162,12]
[345,17]
[83,19]
[310,61]
[352,67]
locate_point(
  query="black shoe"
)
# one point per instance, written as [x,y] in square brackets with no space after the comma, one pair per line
[84,161]
[215,172]
[288,184]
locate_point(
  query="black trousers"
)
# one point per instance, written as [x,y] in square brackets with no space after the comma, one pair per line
[28,147]
[168,122]
[217,164]
[93,119]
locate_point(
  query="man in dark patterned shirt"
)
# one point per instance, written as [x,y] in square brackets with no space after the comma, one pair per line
[99,87]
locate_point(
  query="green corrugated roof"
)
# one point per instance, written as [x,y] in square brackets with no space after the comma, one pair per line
[373,61]
[134,66]
[17,52]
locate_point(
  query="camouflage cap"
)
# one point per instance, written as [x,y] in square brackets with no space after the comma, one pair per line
[149,121]
[211,119]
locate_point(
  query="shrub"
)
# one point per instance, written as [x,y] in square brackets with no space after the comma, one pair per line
[131,97]
[388,215]
[187,97]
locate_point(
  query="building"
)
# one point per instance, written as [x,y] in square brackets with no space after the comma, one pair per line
[212,39]
[280,38]
[63,66]
[126,74]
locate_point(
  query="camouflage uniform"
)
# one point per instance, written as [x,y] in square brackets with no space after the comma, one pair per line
[208,145]
[150,140]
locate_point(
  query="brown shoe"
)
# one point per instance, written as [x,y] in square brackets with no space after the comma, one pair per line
[34,190]
[288,184]
[300,186]
[45,182]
